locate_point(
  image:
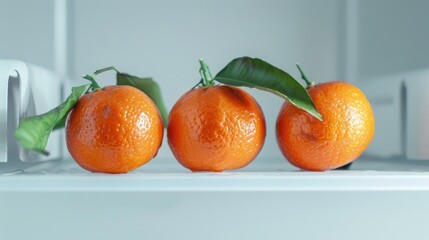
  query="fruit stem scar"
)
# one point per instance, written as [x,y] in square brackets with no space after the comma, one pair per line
[207,78]
[304,77]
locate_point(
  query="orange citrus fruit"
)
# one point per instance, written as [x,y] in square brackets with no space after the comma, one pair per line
[216,128]
[345,132]
[114,130]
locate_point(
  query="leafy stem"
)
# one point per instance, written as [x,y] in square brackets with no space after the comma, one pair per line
[207,78]
[304,77]
[94,85]
[91,77]
[105,70]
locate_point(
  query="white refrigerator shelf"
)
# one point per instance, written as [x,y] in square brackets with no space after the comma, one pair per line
[365,175]
[162,200]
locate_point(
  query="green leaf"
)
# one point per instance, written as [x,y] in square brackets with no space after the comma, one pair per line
[148,86]
[33,132]
[256,73]
[61,123]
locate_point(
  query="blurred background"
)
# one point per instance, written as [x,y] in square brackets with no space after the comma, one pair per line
[332,39]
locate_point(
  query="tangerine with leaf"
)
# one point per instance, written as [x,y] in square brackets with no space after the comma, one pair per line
[346,130]
[114,129]
[216,127]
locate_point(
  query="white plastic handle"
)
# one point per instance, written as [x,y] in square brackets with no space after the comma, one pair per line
[17,70]
[15,75]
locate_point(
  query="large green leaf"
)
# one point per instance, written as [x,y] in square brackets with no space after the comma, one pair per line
[148,86]
[256,73]
[33,132]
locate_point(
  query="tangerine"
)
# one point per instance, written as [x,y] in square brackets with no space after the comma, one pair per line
[346,130]
[114,130]
[216,128]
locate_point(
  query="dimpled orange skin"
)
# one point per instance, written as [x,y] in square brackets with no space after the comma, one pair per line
[346,131]
[216,128]
[114,130]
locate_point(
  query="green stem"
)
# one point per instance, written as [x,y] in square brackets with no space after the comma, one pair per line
[94,84]
[105,70]
[207,79]
[91,77]
[304,77]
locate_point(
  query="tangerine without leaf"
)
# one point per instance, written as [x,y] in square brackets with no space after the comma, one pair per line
[346,130]
[114,130]
[216,128]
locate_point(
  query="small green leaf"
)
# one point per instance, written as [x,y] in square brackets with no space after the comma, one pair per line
[256,73]
[33,132]
[148,86]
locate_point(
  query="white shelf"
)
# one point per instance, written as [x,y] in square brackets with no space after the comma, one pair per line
[365,175]
[162,200]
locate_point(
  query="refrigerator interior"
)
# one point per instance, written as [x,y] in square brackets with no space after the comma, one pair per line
[382,195]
